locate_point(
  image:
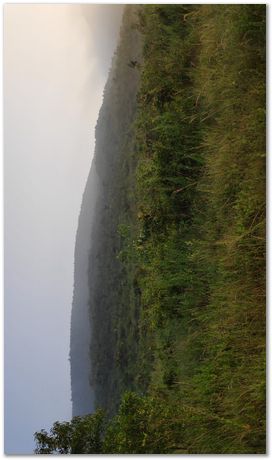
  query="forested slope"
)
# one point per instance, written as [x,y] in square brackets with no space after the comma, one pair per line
[80,335]
[114,162]
[98,272]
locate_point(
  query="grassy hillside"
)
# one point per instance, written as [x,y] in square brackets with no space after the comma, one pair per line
[177,265]
[189,315]
[200,244]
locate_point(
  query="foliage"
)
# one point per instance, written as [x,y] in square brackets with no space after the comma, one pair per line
[111,288]
[201,202]
[177,276]
[143,425]
[83,435]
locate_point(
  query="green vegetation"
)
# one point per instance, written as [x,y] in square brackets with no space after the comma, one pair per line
[114,304]
[143,425]
[178,283]
[201,212]
[80,436]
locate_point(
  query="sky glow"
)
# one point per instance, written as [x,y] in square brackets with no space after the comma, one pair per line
[56,60]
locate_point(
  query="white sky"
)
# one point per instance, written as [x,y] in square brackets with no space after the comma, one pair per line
[56,59]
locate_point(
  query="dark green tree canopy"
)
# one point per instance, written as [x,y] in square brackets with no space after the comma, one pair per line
[80,436]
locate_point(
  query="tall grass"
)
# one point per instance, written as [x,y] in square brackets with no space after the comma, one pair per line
[201,200]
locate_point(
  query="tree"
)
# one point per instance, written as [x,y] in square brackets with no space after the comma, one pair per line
[83,435]
[142,425]
[133,64]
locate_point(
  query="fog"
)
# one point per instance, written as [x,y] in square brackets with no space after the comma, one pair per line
[56,60]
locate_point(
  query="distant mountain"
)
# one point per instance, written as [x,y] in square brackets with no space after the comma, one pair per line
[82,393]
[97,270]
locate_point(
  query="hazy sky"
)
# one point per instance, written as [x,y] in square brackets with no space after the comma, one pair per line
[56,60]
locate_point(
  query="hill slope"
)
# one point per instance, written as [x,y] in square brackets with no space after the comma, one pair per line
[97,270]
[177,259]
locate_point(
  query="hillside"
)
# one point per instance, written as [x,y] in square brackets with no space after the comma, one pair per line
[80,334]
[176,251]
[97,270]
[114,162]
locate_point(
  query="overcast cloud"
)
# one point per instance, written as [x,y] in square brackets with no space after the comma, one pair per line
[56,60]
